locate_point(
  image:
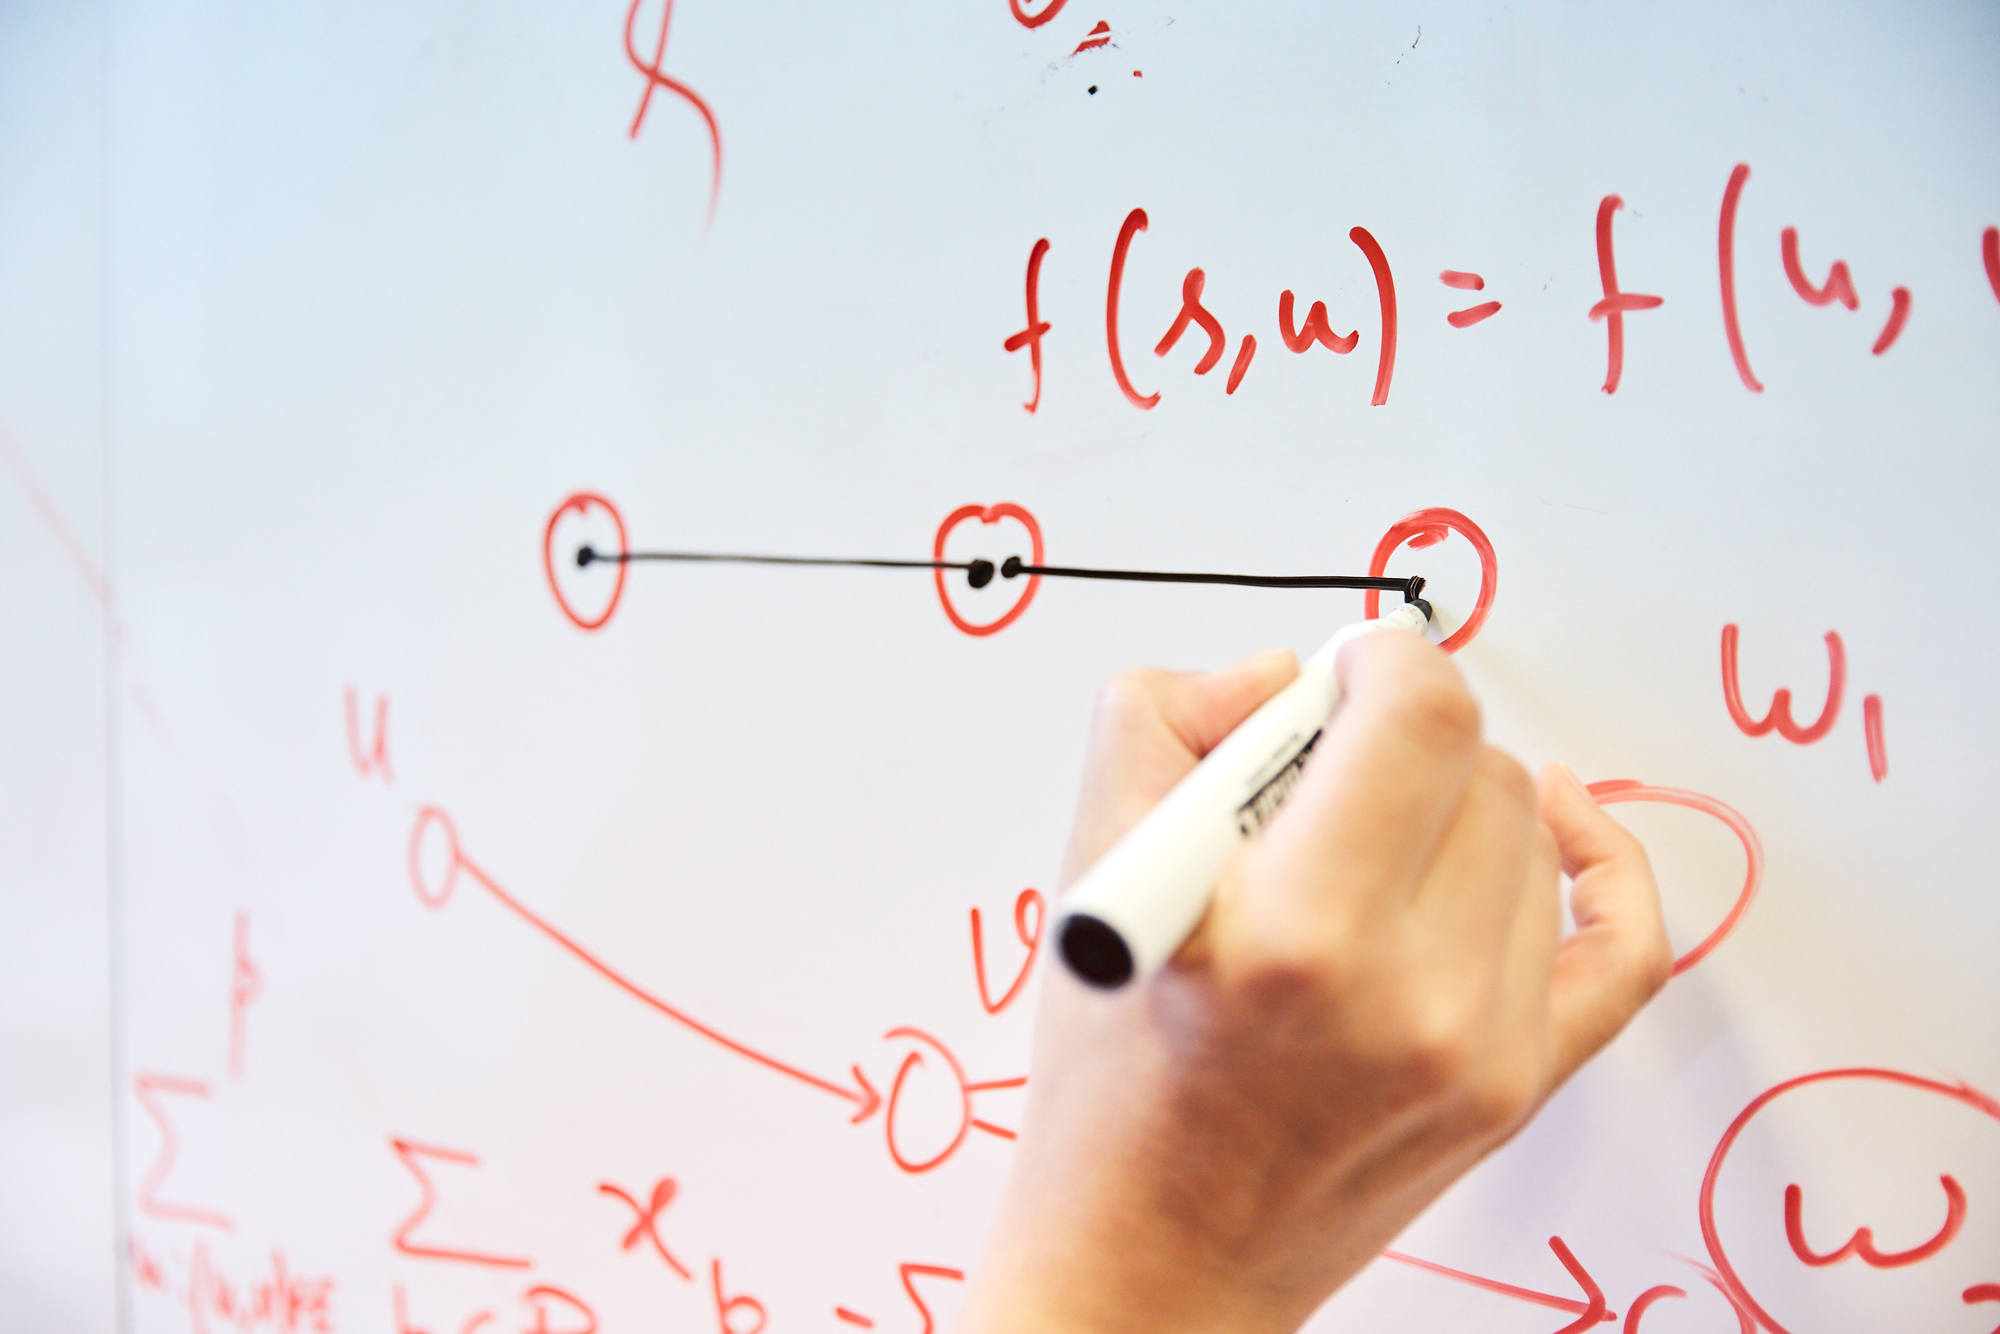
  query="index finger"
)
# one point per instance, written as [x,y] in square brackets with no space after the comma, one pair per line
[1389,772]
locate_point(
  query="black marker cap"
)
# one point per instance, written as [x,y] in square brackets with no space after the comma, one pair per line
[1095,952]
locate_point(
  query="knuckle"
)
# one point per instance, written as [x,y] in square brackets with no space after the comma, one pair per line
[1505,773]
[1504,1095]
[1437,706]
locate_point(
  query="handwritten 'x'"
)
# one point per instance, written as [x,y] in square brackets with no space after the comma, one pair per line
[648,1216]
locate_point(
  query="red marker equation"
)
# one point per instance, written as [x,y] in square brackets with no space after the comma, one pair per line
[1779,717]
[657,78]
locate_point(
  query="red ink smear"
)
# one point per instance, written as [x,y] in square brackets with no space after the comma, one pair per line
[909,1272]
[1529,1295]
[1427,528]
[582,502]
[988,514]
[539,1295]
[1645,1300]
[1028,20]
[1745,1322]
[1192,309]
[1871,727]
[853,1318]
[1611,309]
[1464,282]
[1899,311]
[1725,254]
[148,1088]
[863,1093]
[1138,74]
[409,1151]
[1099,36]
[65,536]
[1385,291]
[1316,328]
[246,984]
[1135,221]
[1031,337]
[725,1307]
[1612,791]
[372,759]
[1471,315]
[1989,250]
[1780,715]
[146,1271]
[656,79]
[1737,1292]
[1839,284]
[1862,1243]
[648,1216]
[1246,350]
[1031,936]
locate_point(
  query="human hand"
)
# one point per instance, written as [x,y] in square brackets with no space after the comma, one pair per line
[1378,996]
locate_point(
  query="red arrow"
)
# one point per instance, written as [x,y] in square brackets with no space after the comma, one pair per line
[1588,1312]
[863,1093]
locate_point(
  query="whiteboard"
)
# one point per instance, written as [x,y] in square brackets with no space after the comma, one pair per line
[479,966]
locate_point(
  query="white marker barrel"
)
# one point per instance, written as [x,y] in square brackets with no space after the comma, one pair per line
[1143,898]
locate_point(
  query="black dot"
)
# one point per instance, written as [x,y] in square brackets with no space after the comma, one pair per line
[584,556]
[1095,952]
[1010,568]
[1093,88]
[979,573]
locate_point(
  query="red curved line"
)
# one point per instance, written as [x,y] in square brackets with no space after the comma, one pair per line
[1612,314]
[1471,315]
[1135,221]
[581,501]
[1839,284]
[1385,291]
[1192,309]
[1989,250]
[987,514]
[657,79]
[1613,791]
[1422,529]
[896,1093]
[1780,714]
[1899,311]
[617,979]
[1646,1299]
[1246,350]
[1711,1235]
[1982,1292]
[1031,939]
[1862,1243]
[1725,254]
[424,818]
[1871,727]
[992,1129]
[1596,1311]
[1317,328]
[1027,20]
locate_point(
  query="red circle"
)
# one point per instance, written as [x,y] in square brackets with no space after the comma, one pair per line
[896,1096]
[987,514]
[1616,790]
[1738,1293]
[443,895]
[1428,528]
[581,502]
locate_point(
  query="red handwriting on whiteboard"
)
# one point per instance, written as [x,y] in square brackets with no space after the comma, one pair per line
[1135,222]
[1318,328]
[1779,718]
[1471,315]
[538,1302]
[1036,20]
[432,822]
[910,1273]
[731,1313]
[579,509]
[1589,1312]
[1427,528]
[410,1151]
[647,1227]
[1739,1293]
[280,1300]
[1028,905]
[1989,251]
[988,514]
[914,1060]
[1031,337]
[1611,307]
[148,1088]
[1862,1243]
[369,758]
[657,79]
[1612,791]
[246,985]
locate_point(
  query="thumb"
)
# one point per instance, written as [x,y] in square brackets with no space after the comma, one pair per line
[1619,957]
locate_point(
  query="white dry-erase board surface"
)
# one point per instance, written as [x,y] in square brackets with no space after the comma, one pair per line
[488,942]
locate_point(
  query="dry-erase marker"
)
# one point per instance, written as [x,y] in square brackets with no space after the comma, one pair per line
[1139,903]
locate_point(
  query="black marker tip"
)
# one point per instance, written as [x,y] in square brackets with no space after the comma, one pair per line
[1428,614]
[1095,952]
